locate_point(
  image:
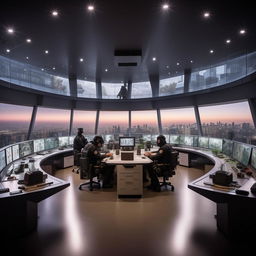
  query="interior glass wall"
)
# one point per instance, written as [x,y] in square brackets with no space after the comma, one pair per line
[172,85]
[86,89]
[14,123]
[141,90]
[113,122]
[179,121]
[85,120]
[231,121]
[110,90]
[144,122]
[51,123]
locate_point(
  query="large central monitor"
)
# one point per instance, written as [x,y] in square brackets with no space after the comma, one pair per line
[127,143]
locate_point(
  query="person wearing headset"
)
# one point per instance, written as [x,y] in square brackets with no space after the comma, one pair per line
[92,151]
[162,156]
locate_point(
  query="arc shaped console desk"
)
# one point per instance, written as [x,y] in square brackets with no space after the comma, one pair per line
[236,214]
[19,212]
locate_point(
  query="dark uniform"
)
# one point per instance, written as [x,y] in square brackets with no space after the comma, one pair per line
[95,157]
[78,144]
[162,156]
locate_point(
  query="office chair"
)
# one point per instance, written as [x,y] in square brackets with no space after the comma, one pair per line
[77,156]
[168,170]
[89,171]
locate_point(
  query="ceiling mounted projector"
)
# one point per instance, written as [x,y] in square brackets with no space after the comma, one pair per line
[127,58]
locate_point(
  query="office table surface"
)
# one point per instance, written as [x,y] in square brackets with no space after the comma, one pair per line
[138,159]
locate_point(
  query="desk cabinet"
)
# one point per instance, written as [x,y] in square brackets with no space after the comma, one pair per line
[129,180]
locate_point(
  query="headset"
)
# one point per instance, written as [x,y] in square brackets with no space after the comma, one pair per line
[162,140]
[97,140]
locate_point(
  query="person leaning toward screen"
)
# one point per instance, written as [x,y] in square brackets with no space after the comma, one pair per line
[162,156]
[92,151]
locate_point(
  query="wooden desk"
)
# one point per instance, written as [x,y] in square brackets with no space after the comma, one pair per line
[129,174]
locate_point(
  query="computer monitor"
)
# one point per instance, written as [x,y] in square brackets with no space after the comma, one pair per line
[174,139]
[227,147]
[242,152]
[15,152]
[50,143]
[26,148]
[2,160]
[8,153]
[126,142]
[38,145]
[203,142]
[188,140]
[253,158]
[63,141]
[215,144]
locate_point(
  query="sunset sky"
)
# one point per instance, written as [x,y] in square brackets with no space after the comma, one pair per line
[236,112]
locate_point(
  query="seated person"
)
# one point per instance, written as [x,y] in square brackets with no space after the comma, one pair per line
[92,151]
[162,156]
[78,144]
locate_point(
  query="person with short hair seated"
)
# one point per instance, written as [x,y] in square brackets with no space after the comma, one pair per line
[162,156]
[92,151]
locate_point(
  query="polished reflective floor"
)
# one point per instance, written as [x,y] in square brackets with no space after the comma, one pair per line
[74,222]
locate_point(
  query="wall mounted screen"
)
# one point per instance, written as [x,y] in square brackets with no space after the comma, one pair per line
[2,160]
[242,153]
[141,90]
[8,153]
[172,85]
[86,89]
[26,148]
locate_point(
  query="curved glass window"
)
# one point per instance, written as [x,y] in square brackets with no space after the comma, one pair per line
[144,122]
[251,63]
[14,123]
[141,90]
[29,76]
[113,122]
[172,85]
[86,89]
[110,90]
[231,121]
[85,120]
[179,121]
[51,123]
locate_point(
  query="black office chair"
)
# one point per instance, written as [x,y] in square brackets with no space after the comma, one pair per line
[77,156]
[168,170]
[89,171]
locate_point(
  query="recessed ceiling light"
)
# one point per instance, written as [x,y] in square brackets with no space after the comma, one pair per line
[167,66]
[106,70]
[53,68]
[165,6]
[90,8]
[211,51]
[42,69]
[178,64]
[55,13]
[206,15]
[81,59]
[169,73]
[228,41]
[242,31]
[154,58]
[10,30]
[27,58]
[46,51]
[28,40]
[8,50]
[191,61]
